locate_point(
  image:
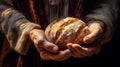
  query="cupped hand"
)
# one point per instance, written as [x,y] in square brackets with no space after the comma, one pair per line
[60,56]
[92,40]
[79,51]
[38,38]
[48,50]
[96,31]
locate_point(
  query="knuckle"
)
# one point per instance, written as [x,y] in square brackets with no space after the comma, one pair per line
[43,56]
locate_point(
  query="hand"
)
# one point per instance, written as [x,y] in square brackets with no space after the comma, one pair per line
[96,31]
[92,40]
[60,56]
[80,52]
[47,50]
[40,42]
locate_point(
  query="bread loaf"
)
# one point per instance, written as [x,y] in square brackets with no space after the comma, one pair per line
[67,30]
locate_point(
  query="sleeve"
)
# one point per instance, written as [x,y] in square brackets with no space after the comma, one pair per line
[106,11]
[16,28]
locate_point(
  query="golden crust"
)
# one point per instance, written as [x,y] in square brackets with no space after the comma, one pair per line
[65,30]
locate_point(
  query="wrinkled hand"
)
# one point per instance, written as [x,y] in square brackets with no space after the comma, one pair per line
[96,28]
[92,40]
[47,50]
[60,56]
[38,38]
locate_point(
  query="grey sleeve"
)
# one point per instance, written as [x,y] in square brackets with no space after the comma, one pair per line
[16,28]
[106,11]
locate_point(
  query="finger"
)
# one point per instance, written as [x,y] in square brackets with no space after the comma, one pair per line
[75,53]
[49,46]
[71,48]
[37,35]
[41,42]
[96,33]
[62,55]
[82,50]
[88,51]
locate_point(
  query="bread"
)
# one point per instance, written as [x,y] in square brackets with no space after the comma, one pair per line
[67,30]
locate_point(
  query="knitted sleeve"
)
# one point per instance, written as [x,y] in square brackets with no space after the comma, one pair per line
[16,28]
[106,12]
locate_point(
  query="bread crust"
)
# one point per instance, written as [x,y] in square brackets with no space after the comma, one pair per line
[67,30]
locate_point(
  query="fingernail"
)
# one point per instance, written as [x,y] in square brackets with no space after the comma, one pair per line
[86,40]
[55,49]
[69,44]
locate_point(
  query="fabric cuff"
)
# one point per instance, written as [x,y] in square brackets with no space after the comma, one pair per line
[24,42]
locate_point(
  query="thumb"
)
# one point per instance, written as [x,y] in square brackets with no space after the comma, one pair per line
[96,32]
[50,46]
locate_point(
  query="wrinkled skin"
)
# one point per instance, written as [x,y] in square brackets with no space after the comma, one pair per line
[91,40]
[48,52]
